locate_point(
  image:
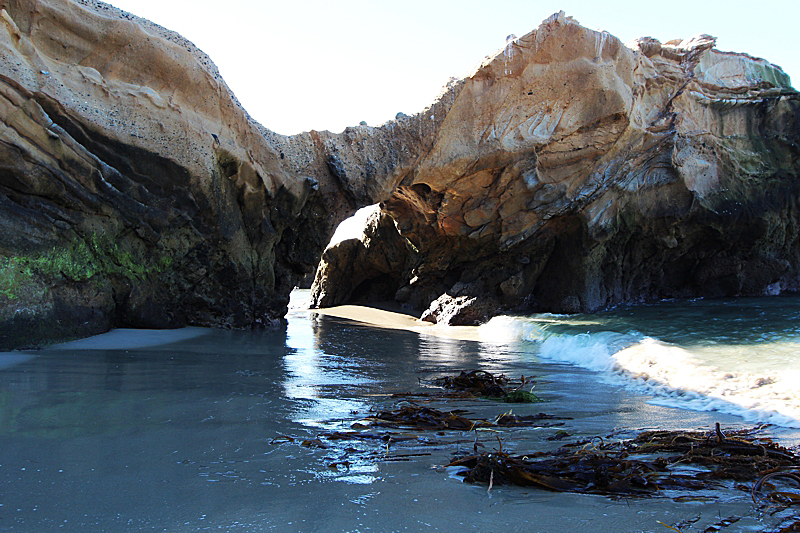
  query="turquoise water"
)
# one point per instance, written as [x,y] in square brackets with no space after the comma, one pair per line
[203,430]
[735,356]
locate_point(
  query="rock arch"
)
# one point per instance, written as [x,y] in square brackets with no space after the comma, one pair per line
[568,172]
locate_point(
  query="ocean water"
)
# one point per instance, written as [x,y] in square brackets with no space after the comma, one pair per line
[211,430]
[736,356]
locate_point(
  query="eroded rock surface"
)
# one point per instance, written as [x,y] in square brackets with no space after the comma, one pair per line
[134,190]
[573,172]
[567,173]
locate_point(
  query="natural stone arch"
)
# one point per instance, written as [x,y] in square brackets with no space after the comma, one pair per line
[136,191]
[574,173]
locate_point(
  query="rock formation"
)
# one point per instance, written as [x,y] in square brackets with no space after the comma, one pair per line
[567,173]
[134,190]
[573,172]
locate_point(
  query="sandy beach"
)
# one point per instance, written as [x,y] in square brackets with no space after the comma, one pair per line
[596,409]
[200,429]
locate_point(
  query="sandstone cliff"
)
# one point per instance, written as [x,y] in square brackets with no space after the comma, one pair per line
[134,190]
[568,172]
[573,172]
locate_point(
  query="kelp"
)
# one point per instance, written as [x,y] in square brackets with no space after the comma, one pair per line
[414,416]
[509,419]
[477,382]
[428,418]
[737,455]
[562,471]
[488,385]
[773,498]
[635,467]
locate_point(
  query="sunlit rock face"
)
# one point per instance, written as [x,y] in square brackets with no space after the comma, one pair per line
[568,172]
[136,191]
[572,172]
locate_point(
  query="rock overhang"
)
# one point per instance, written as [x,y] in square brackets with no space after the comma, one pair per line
[553,150]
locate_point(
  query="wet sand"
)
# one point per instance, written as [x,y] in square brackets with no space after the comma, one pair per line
[595,409]
[197,429]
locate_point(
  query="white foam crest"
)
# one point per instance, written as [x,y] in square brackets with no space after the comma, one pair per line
[675,376]
[506,329]
[594,351]
[589,350]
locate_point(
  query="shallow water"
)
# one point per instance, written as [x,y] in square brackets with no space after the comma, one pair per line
[736,356]
[202,430]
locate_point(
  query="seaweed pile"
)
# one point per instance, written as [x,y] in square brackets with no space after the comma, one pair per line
[412,416]
[677,464]
[651,462]
[417,417]
[488,385]
[475,382]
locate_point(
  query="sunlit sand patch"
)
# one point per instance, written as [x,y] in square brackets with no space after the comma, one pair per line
[393,320]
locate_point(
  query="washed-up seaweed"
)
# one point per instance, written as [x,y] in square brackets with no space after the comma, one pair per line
[486,384]
[736,454]
[635,467]
[511,420]
[414,416]
[477,382]
[428,418]
[772,497]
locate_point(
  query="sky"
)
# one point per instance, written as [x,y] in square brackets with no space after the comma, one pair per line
[298,65]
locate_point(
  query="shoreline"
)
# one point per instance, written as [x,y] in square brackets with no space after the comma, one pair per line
[240,420]
[383,318]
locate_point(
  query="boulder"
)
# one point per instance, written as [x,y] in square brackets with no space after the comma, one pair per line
[459,310]
[365,267]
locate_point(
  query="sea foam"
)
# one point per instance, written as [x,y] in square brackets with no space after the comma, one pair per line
[749,381]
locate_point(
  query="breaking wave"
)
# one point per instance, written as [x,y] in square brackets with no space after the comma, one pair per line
[757,381]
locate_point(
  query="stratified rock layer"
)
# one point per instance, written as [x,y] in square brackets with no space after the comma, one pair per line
[134,190]
[573,172]
[569,172]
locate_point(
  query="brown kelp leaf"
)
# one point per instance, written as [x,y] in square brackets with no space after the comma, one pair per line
[418,417]
[511,420]
[313,443]
[478,382]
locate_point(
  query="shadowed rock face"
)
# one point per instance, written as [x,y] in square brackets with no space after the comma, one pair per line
[134,190]
[572,173]
[567,173]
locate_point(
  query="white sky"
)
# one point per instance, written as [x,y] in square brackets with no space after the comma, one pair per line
[298,65]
